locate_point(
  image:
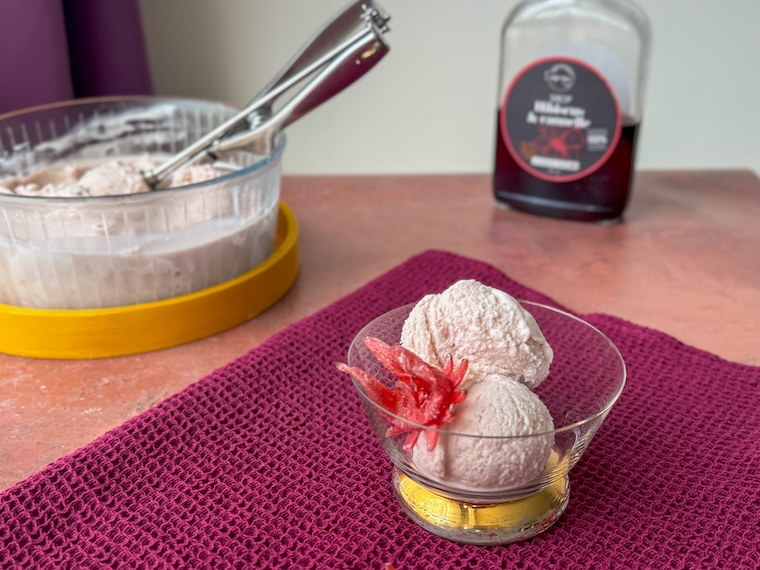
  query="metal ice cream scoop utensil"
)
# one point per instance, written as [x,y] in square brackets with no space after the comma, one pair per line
[342,51]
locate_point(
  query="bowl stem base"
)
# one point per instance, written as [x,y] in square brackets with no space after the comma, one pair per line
[491,524]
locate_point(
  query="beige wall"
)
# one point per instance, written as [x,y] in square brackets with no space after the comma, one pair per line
[429,106]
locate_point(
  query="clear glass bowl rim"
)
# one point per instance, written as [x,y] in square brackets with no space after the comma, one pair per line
[569,427]
[281,141]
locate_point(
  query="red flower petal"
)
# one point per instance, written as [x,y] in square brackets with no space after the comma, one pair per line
[423,394]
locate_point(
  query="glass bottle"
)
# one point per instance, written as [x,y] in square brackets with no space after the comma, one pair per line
[570,103]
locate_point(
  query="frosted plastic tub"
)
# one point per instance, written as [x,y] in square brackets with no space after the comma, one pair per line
[108,251]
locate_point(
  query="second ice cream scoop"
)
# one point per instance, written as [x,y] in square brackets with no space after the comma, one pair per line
[507,442]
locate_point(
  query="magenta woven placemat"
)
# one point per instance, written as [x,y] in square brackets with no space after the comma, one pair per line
[270,462]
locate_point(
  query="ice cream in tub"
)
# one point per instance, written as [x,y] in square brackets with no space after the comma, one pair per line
[81,229]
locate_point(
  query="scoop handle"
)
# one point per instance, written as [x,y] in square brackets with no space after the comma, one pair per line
[342,71]
[321,43]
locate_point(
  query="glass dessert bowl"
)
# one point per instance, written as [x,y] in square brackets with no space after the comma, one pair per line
[489,489]
[127,248]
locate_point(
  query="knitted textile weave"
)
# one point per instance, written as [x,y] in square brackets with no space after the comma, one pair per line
[270,462]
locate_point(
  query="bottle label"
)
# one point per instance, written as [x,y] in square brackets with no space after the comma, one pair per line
[560,119]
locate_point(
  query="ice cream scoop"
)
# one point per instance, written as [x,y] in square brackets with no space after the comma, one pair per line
[484,325]
[340,53]
[495,406]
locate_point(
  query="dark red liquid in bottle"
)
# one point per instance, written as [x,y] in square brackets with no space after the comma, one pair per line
[599,197]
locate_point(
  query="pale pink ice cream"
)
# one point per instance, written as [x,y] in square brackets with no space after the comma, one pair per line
[494,407]
[100,177]
[507,355]
[484,325]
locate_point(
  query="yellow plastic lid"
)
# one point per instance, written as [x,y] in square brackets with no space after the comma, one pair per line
[117,331]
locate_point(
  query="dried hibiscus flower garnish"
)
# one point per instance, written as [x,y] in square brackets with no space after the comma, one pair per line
[423,394]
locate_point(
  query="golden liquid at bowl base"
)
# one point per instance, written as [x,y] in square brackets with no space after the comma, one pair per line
[497,523]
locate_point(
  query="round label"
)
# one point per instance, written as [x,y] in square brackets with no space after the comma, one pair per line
[560,119]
